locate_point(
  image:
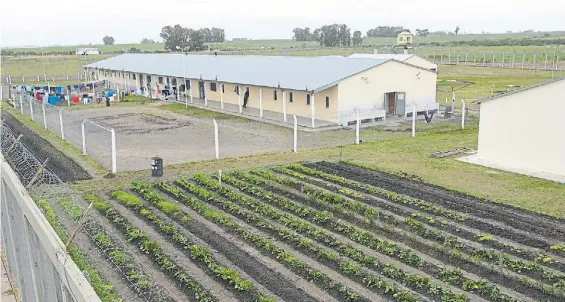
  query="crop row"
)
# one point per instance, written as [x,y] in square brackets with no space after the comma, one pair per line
[140,283]
[352,269]
[201,255]
[485,238]
[348,207]
[484,214]
[326,220]
[406,200]
[292,262]
[152,248]
[103,288]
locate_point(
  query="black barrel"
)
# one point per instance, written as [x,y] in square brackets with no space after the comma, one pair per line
[156,167]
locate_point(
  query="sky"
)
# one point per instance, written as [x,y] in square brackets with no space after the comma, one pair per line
[71,22]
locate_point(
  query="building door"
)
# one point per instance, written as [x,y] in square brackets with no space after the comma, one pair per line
[390,102]
[400,103]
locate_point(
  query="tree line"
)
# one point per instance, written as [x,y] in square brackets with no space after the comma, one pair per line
[178,38]
[332,35]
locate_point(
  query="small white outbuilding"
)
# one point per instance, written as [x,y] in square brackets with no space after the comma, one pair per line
[524,131]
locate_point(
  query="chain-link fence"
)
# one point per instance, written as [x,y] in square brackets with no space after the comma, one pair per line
[131,279]
[89,137]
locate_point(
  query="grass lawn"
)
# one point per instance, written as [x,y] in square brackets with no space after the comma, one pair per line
[486,79]
[406,154]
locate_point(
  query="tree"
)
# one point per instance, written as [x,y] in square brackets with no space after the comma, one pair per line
[385,31]
[148,41]
[134,50]
[422,32]
[175,37]
[344,35]
[357,38]
[108,40]
[196,41]
[302,34]
[457,29]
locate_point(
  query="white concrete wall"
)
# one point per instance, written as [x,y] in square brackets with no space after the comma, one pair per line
[367,89]
[525,130]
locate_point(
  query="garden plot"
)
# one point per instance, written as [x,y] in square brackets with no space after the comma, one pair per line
[331,232]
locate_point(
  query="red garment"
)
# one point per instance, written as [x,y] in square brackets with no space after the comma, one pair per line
[76,99]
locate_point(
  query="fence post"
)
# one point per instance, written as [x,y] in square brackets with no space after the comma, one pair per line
[83,137]
[222,96]
[216,139]
[313,111]
[503,58]
[295,146]
[484,59]
[44,117]
[261,102]
[284,105]
[413,120]
[114,164]
[358,126]
[441,56]
[545,68]
[239,104]
[31,110]
[466,56]
[463,114]
[534,66]
[61,123]
[21,104]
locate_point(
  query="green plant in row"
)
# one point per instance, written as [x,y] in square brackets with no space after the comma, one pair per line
[151,248]
[417,282]
[279,254]
[107,245]
[533,269]
[354,233]
[392,196]
[196,252]
[103,288]
[532,266]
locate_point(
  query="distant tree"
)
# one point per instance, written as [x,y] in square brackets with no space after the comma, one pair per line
[175,37]
[302,34]
[357,38]
[196,41]
[344,35]
[218,35]
[422,32]
[438,33]
[134,50]
[457,29]
[108,40]
[148,41]
[385,31]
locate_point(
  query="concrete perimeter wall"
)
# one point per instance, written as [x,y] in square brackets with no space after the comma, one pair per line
[37,261]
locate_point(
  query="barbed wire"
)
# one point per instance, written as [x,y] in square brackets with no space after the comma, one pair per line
[46,185]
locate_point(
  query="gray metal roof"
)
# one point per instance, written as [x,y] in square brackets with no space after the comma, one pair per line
[290,72]
[490,98]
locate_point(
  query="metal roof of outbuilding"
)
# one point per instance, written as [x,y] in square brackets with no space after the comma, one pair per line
[381,56]
[288,72]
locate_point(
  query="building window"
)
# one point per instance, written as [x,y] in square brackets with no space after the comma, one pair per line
[290,97]
[307,99]
[148,79]
[212,86]
[160,80]
[187,84]
[222,85]
[327,102]
[274,95]
[134,77]
[236,90]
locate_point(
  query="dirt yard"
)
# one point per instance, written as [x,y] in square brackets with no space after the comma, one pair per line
[143,132]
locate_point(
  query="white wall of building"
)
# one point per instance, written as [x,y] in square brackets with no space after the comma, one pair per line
[525,130]
[367,89]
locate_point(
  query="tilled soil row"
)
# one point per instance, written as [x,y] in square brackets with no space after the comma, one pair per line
[528,223]
[463,231]
[426,247]
[242,260]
